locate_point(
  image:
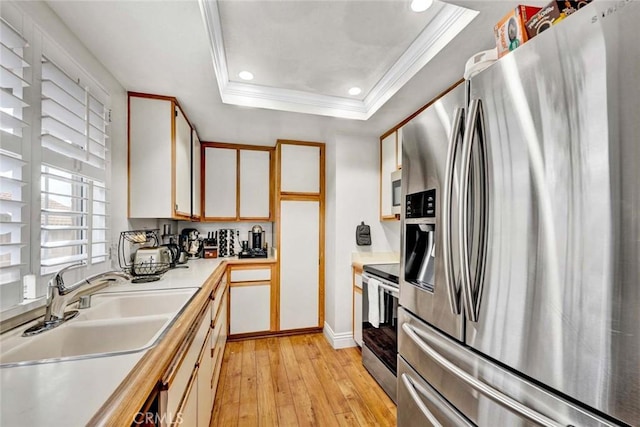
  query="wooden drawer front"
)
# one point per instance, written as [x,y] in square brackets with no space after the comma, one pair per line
[176,384]
[251,275]
[217,301]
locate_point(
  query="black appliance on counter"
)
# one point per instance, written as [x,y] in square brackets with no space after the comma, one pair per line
[380,323]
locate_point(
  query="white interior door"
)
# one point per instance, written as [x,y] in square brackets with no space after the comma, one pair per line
[299,264]
[220,182]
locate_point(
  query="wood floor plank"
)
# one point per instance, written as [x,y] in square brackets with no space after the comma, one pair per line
[248,410]
[267,413]
[297,381]
[319,401]
[362,381]
[229,400]
[347,419]
[279,374]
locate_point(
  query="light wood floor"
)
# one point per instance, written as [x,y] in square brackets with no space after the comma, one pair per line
[297,381]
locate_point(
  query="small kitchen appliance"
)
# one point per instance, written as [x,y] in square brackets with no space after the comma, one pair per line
[140,255]
[255,247]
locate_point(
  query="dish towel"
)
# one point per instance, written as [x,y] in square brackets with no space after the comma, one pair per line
[374,304]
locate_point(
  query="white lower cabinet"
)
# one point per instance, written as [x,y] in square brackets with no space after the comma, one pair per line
[357,316]
[187,391]
[357,306]
[250,308]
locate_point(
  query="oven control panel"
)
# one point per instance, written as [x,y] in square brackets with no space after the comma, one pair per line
[421,205]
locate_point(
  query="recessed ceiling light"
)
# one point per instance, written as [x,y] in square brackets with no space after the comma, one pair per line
[421,5]
[355,91]
[245,75]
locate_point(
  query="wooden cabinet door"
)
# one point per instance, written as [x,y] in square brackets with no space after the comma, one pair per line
[195,176]
[255,185]
[150,157]
[182,169]
[220,183]
[388,164]
[300,169]
[299,264]
[250,308]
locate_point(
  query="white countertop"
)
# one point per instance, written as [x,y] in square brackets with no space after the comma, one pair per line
[69,393]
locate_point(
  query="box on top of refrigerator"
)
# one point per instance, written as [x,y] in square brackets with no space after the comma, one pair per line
[511,32]
[551,14]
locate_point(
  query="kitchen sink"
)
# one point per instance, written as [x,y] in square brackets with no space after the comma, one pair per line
[110,306]
[116,323]
[88,338]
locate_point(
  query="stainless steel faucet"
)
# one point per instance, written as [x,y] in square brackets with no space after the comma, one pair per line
[59,295]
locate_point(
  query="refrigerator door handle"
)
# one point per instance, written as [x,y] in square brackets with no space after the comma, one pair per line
[413,388]
[485,389]
[471,300]
[452,152]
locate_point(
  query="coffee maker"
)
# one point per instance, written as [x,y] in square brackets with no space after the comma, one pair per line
[255,247]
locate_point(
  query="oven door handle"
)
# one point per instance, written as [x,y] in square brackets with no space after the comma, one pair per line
[485,389]
[391,289]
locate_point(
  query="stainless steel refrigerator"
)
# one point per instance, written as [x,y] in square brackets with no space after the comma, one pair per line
[520,261]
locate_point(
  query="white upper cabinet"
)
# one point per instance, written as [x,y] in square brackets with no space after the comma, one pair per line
[220,183]
[160,167]
[183,164]
[399,148]
[237,183]
[195,176]
[150,158]
[255,184]
[388,164]
[300,169]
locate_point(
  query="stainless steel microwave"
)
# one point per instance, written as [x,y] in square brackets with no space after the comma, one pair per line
[396,192]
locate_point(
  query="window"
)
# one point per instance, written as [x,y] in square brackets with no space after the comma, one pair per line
[53,163]
[73,191]
[14,212]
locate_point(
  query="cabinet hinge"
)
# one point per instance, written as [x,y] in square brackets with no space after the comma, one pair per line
[176,112]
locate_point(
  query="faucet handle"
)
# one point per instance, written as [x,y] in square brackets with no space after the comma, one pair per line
[57,280]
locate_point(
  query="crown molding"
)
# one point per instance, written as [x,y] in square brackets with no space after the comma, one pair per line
[448,22]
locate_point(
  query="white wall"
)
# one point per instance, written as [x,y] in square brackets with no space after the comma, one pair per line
[352,197]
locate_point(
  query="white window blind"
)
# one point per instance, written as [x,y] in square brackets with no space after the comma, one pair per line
[74,202]
[14,212]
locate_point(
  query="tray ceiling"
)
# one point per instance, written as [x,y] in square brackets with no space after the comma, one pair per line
[306,55]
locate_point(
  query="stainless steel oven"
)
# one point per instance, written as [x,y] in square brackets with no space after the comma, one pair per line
[380,324]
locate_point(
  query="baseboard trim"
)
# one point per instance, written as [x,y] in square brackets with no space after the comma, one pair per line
[337,341]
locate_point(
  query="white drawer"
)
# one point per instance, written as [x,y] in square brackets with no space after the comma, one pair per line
[252,275]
